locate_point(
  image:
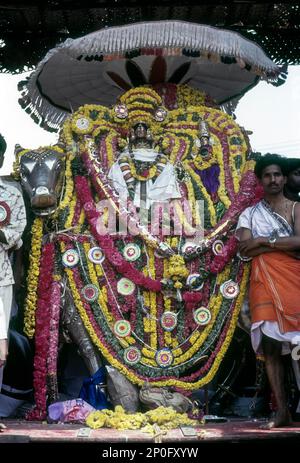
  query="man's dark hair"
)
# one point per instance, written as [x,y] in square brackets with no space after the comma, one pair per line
[2,145]
[292,164]
[269,159]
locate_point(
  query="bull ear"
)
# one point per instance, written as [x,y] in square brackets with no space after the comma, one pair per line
[18,149]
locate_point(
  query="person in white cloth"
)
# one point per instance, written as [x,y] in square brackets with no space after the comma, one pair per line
[269,233]
[142,173]
[12,224]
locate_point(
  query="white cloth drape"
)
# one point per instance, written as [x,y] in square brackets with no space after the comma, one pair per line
[261,223]
[164,188]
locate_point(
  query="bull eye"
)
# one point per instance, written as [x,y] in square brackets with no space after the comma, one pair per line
[50,163]
[28,166]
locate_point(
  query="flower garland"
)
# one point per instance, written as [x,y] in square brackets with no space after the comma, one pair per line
[105,189]
[53,336]
[225,338]
[102,297]
[43,328]
[205,195]
[106,242]
[166,417]
[224,276]
[229,251]
[69,188]
[33,277]
[150,301]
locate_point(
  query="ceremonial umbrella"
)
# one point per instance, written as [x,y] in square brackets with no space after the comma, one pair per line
[99,67]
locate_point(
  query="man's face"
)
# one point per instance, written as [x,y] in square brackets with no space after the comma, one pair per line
[272,179]
[293,180]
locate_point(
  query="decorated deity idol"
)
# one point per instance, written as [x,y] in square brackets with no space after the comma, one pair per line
[159,307]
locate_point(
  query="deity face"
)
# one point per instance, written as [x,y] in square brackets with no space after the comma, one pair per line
[140,130]
[205,149]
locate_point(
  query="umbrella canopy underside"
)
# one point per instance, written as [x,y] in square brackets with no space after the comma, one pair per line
[99,67]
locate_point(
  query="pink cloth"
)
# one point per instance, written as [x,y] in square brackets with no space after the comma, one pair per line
[70,410]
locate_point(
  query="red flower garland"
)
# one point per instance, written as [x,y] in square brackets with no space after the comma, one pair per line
[220,261]
[53,335]
[107,243]
[43,320]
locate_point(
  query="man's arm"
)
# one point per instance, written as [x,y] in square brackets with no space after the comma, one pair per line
[249,246]
[288,244]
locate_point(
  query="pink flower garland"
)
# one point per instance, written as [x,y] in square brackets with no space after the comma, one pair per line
[248,195]
[76,213]
[53,335]
[79,285]
[106,242]
[220,261]
[43,317]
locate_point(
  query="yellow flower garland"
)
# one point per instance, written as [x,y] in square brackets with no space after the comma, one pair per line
[152,172]
[93,278]
[212,212]
[166,417]
[33,277]
[69,193]
[197,339]
[188,96]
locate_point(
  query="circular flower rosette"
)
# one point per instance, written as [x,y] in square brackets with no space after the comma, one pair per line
[132,355]
[217,247]
[82,124]
[189,247]
[4,213]
[202,316]
[96,255]
[122,328]
[168,321]
[121,111]
[160,114]
[195,282]
[125,287]
[229,289]
[90,292]
[164,357]
[70,258]
[131,252]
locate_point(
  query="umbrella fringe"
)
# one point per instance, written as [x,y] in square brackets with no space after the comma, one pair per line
[159,38]
[42,113]
[176,35]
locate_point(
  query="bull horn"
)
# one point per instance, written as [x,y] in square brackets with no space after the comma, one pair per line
[18,149]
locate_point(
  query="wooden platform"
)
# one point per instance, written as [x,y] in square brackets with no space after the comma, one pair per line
[234,430]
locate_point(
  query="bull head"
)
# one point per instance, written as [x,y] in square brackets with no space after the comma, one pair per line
[41,174]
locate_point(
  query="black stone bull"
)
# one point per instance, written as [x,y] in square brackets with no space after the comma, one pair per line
[42,179]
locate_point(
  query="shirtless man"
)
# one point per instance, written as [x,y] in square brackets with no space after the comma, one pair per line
[269,233]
